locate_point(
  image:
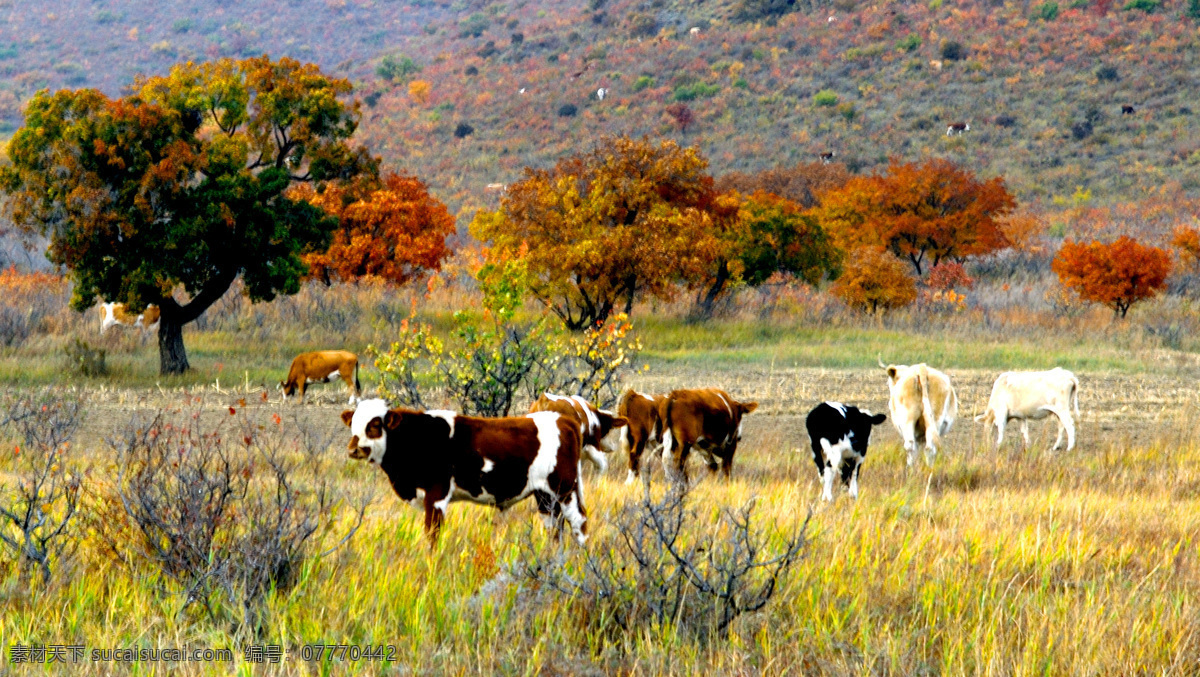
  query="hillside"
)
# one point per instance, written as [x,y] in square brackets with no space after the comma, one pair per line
[1042,86]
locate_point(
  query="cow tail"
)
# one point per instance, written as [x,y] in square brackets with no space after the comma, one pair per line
[1075,397]
[357,383]
[931,424]
[623,440]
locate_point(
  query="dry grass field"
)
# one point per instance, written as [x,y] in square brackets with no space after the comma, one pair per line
[1000,563]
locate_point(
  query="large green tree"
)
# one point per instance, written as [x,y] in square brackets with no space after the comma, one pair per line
[170,193]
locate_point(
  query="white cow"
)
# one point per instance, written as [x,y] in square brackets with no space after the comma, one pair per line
[922,404]
[1032,396]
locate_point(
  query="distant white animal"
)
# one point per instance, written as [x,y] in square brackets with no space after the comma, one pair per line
[521,90]
[601,93]
[958,128]
[695,30]
[1031,396]
[832,19]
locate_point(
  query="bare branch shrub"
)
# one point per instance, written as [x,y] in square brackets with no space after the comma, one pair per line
[670,567]
[37,516]
[227,509]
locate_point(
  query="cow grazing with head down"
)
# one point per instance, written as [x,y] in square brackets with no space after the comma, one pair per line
[1032,396]
[594,423]
[642,427]
[840,434]
[321,367]
[114,314]
[707,419]
[441,457]
[922,404]
[958,128]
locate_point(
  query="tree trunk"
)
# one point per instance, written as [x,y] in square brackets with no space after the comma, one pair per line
[707,304]
[172,356]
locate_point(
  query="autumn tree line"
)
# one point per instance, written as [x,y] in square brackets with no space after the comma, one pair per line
[248,169]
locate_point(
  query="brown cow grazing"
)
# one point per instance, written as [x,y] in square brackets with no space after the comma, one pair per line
[594,423]
[113,314]
[442,457]
[827,157]
[320,367]
[642,427]
[1128,110]
[708,419]
[958,128]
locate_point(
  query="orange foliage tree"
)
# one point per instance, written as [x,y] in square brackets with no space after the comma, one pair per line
[1118,274]
[390,228]
[627,219]
[874,280]
[800,184]
[1187,240]
[928,210]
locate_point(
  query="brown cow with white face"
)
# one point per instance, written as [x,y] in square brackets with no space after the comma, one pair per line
[116,314]
[594,423]
[320,367]
[642,427]
[441,457]
[707,419]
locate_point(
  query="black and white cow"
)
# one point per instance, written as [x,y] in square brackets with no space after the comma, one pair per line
[840,434]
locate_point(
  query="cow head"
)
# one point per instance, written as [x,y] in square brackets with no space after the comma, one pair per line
[288,389]
[608,422]
[369,424]
[860,422]
[740,409]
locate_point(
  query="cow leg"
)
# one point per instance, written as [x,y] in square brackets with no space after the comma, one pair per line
[827,482]
[596,457]
[435,513]
[548,506]
[1001,421]
[1025,433]
[854,481]
[727,465]
[635,457]
[574,511]
[1065,423]
[910,444]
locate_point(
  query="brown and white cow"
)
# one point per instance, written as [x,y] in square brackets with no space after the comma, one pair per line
[113,314]
[594,423]
[320,367]
[707,419]
[1031,396]
[441,457]
[923,404]
[957,128]
[642,427]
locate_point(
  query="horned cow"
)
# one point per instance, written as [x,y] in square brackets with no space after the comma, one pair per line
[922,404]
[441,457]
[1032,396]
[707,419]
[594,423]
[320,367]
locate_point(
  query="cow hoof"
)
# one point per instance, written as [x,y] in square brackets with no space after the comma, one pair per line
[630,478]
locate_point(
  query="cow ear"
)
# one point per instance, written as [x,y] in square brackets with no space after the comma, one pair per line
[347,416]
[619,421]
[891,372]
[748,407]
[878,418]
[391,420]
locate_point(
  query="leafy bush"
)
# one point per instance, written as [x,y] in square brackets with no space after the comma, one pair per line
[567,110]
[670,566]
[396,68]
[1048,11]
[953,50]
[1144,5]
[37,515]
[755,10]
[1193,9]
[473,26]
[909,42]
[825,97]
[694,91]
[642,82]
[487,363]
[641,25]
[463,130]
[1107,73]
[86,360]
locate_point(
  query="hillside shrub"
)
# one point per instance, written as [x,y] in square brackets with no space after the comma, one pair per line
[908,43]
[474,25]
[1107,73]
[86,360]
[567,110]
[642,82]
[463,130]
[953,50]
[396,68]
[1193,9]
[1117,274]
[1144,5]
[825,97]
[1048,11]
[874,281]
[695,91]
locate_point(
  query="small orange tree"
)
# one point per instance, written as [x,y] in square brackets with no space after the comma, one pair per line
[874,280]
[390,228]
[928,210]
[1118,274]
[1187,241]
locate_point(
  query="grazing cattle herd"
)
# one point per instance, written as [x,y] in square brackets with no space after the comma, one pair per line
[440,456]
